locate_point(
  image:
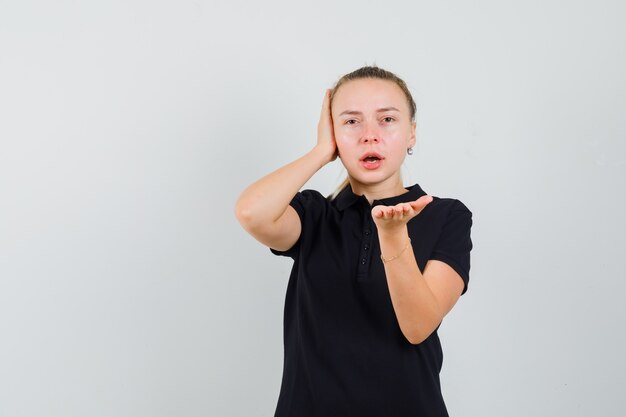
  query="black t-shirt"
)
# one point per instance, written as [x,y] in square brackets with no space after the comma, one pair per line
[344,352]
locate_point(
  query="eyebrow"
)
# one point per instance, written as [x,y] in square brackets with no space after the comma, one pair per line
[381,110]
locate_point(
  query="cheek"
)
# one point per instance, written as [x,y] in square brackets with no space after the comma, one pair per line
[342,140]
[342,148]
[400,137]
[346,149]
[347,137]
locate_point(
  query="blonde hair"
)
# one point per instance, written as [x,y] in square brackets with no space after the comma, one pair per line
[378,73]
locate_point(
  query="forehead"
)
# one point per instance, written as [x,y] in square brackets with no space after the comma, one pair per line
[369,94]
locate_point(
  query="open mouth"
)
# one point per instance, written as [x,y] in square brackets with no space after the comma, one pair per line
[371,157]
[371,160]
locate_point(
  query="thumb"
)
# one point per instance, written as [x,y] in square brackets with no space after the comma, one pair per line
[421,202]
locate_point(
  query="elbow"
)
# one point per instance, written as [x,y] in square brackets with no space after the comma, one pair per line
[248,217]
[417,331]
[243,213]
[416,339]
[417,335]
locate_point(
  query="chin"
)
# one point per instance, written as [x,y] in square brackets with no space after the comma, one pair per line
[372,179]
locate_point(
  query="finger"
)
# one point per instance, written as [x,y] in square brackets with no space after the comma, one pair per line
[381,212]
[421,202]
[377,212]
[328,107]
[327,102]
[325,130]
[398,212]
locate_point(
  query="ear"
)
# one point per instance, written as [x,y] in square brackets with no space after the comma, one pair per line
[412,137]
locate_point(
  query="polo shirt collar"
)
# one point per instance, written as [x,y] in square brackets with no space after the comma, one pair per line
[346,197]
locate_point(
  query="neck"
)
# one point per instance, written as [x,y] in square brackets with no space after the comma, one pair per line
[390,188]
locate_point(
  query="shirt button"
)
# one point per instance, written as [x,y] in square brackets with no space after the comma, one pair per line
[367,232]
[366,247]
[363,261]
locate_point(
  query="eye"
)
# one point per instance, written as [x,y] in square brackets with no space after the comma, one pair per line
[350,121]
[388,119]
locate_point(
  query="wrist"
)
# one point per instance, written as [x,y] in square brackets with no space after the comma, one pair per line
[395,235]
[397,255]
[325,153]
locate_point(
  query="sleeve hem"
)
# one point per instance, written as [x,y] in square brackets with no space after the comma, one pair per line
[454,265]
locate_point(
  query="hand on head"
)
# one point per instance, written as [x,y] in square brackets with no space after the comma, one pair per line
[325,130]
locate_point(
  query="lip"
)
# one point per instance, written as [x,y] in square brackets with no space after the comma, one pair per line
[371,165]
[368,154]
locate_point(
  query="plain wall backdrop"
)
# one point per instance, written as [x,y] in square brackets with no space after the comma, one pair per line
[129,128]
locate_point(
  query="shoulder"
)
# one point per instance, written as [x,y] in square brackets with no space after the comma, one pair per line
[311,206]
[439,205]
[448,204]
[449,222]
[310,197]
[455,217]
[308,202]
[444,208]
[444,223]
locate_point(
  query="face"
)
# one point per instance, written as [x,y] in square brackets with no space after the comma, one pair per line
[373,130]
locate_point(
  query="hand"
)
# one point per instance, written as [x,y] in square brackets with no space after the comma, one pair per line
[325,131]
[394,218]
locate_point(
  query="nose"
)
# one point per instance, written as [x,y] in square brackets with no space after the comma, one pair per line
[370,139]
[370,135]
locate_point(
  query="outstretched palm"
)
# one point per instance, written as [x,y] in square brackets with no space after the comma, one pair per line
[390,218]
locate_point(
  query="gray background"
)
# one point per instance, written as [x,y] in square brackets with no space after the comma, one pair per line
[129,128]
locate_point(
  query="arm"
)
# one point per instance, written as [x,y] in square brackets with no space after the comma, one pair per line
[420,301]
[263,208]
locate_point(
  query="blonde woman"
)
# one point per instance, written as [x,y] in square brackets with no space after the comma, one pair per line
[377,266]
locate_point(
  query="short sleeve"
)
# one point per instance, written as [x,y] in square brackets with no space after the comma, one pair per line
[454,244]
[303,202]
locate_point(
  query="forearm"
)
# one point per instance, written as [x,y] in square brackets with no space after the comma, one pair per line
[267,199]
[416,307]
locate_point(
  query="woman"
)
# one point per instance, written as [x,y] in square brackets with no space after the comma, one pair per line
[376,267]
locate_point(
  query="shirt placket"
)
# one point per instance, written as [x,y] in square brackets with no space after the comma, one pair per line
[365,252]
